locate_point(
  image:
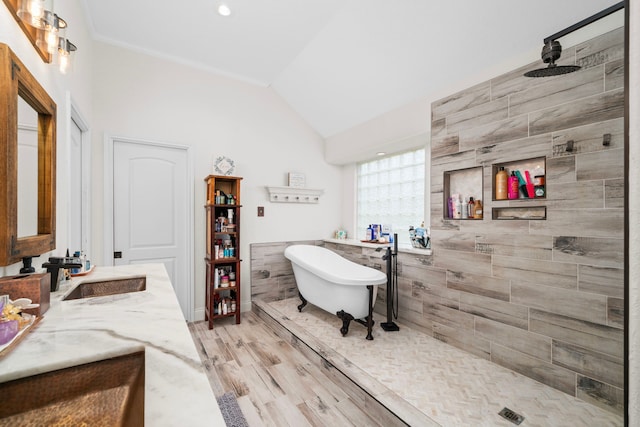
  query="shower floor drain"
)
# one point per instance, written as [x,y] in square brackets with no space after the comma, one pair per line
[511,416]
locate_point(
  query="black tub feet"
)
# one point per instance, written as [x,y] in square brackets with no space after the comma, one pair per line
[304,302]
[346,319]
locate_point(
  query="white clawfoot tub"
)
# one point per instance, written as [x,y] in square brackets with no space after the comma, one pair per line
[335,284]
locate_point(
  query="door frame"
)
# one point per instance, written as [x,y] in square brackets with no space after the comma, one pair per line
[108,206]
[74,115]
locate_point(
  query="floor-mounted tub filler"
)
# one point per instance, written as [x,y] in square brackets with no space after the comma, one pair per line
[335,284]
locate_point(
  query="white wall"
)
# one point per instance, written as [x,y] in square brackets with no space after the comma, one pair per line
[75,86]
[139,96]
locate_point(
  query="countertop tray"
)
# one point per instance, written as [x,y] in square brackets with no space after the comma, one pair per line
[6,348]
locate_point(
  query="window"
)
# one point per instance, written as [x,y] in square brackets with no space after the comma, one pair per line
[391,192]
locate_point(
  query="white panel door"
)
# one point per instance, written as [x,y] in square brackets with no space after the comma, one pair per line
[150,199]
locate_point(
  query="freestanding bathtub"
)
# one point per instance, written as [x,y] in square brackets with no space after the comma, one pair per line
[335,284]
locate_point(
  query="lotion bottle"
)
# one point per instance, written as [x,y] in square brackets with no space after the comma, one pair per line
[501,184]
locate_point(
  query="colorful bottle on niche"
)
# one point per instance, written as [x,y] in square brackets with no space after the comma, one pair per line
[501,184]
[470,207]
[512,186]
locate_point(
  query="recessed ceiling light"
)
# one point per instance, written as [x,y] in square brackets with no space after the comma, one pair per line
[380,153]
[224,9]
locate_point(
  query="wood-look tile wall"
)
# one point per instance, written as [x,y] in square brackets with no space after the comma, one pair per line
[541,297]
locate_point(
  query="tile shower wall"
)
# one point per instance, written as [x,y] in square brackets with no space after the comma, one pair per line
[544,298]
[541,297]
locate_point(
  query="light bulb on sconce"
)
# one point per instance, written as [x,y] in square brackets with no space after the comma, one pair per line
[32,12]
[49,37]
[65,47]
[54,27]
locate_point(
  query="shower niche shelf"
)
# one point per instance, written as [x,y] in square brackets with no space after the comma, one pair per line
[465,183]
[294,194]
[524,207]
[532,165]
[519,212]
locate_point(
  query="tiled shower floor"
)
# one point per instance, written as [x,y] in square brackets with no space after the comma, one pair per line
[451,387]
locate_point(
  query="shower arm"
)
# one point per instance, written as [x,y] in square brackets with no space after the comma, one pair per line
[608,11]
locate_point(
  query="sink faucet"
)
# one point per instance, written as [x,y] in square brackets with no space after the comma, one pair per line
[55,264]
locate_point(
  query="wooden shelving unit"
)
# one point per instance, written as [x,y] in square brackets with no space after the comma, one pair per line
[223,282]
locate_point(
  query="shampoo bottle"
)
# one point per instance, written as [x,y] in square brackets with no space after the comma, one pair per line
[470,207]
[501,184]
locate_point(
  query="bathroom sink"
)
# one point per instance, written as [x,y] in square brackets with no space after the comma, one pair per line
[107,287]
[104,393]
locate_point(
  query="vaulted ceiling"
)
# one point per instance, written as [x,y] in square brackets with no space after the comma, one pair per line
[339,63]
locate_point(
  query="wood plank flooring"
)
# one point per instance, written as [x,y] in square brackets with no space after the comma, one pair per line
[275,384]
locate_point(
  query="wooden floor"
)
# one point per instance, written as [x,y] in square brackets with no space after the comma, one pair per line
[274,383]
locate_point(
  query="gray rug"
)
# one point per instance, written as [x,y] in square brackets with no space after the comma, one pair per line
[231,410]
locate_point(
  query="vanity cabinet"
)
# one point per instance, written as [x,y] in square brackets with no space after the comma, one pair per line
[222,258]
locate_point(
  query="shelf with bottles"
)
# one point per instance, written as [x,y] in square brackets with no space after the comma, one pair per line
[460,187]
[223,190]
[223,253]
[222,248]
[224,306]
[519,179]
[223,292]
[223,278]
[223,220]
[518,188]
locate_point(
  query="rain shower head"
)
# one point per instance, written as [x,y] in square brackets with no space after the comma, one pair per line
[551,52]
[552,49]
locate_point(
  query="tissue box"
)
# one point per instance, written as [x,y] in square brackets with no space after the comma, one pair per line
[36,287]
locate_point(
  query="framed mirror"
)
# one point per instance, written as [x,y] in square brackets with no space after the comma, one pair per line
[25,106]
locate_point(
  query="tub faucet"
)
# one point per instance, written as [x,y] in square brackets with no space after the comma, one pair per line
[55,264]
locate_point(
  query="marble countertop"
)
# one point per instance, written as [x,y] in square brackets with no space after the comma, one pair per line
[177,391]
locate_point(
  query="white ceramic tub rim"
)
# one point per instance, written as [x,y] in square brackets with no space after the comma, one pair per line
[332,267]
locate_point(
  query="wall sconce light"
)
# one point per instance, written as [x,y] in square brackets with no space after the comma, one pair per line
[49,31]
[65,48]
